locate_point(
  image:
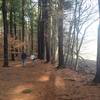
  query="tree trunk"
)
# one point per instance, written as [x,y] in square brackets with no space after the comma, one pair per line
[31,23]
[46,33]
[23,22]
[60,35]
[11,31]
[15,25]
[11,21]
[38,29]
[97,76]
[5,22]
[41,50]
[47,43]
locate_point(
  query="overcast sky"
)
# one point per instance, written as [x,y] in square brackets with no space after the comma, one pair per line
[89,48]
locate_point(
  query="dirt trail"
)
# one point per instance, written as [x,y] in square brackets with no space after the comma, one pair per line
[37,79]
[43,82]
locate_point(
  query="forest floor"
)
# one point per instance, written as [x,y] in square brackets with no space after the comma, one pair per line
[42,81]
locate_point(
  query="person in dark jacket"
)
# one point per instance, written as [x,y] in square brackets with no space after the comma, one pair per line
[23,58]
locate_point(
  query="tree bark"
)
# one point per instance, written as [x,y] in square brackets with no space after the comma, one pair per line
[23,22]
[31,23]
[97,76]
[5,23]
[41,47]
[60,35]
[15,25]
[46,32]
[38,36]
[11,30]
